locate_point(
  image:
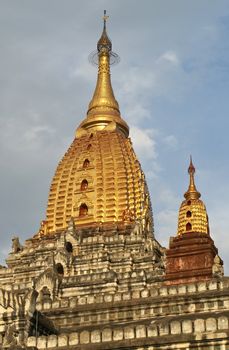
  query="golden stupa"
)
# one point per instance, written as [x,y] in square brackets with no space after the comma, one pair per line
[192,214]
[99,180]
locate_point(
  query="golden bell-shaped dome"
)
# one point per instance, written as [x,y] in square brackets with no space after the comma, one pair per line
[192,214]
[99,180]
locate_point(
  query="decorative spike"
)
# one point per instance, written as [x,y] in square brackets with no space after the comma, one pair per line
[104,42]
[105,18]
[191,168]
[192,192]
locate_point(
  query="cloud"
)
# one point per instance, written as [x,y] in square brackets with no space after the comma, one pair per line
[168,222]
[134,86]
[83,70]
[136,112]
[144,143]
[24,135]
[218,221]
[170,141]
[169,56]
[139,85]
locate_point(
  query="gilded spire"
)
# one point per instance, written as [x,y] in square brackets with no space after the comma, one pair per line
[192,192]
[103,101]
[103,108]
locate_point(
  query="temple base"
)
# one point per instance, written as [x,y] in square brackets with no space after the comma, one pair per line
[191,257]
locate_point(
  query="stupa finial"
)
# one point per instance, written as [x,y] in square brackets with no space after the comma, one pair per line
[192,192]
[103,108]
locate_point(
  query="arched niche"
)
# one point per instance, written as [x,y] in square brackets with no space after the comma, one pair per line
[60,269]
[83,210]
[188,226]
[86,163]
[69,247]
[84,185]
[45,295]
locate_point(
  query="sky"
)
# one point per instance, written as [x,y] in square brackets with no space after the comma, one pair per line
[172,86]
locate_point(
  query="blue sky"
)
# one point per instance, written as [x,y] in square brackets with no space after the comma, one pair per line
[172,87]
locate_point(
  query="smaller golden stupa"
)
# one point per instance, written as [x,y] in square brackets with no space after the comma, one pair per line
[192,214]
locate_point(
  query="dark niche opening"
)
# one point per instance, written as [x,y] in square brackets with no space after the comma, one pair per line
[69,247]
[40,324]
[59,269]
[84,185]
[188,227]
[83,211]
[45,294]
[86,163]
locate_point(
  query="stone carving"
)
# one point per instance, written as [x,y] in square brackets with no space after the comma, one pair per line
[217,268]
[16,245]
[128,215]
[30,301]
[71,226]
[11,336]
[50,279]
[43,228]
